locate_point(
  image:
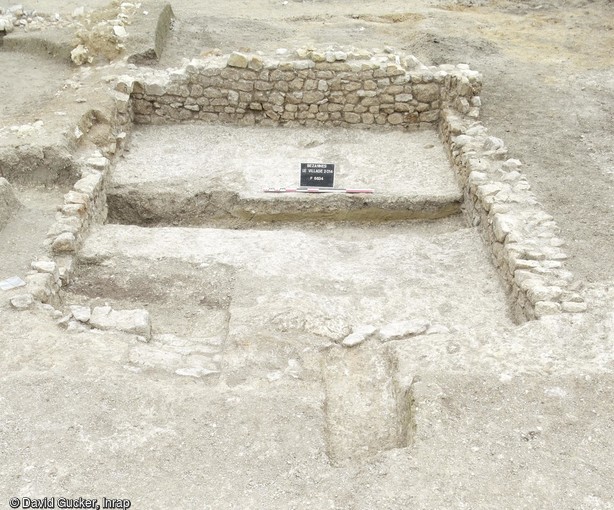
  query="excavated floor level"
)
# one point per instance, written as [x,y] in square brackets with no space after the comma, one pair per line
[193,174]
[243,307]
[275,295]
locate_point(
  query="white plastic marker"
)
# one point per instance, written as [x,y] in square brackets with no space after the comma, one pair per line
[318,190]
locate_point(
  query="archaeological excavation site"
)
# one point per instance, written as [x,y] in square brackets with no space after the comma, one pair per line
[282,255]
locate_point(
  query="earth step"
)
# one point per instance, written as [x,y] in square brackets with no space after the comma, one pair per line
[320,283]
[193,174]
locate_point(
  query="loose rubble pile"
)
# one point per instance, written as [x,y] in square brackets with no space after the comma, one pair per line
[95,38]
[17,16]
[104,39]
[310,88]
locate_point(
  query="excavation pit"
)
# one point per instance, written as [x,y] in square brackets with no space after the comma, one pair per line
[194,174]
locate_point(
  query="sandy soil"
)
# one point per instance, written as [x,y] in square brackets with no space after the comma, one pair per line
[39,80]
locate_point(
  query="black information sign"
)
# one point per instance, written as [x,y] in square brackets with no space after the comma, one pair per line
[318,174]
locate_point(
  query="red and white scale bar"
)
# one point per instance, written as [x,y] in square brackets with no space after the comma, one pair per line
[318,190]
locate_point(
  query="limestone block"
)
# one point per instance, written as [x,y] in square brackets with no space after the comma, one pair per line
[70,224]
[395,118]
[493,143]
[426,92]
[352,118]
[22,301]
[157,86]
[502,225]
[255,63]
[90,184]
[402,329]
[41,286]
[544,293]
[573,307]
[429,116]
[136,321]
[47,266]
[358,335]
[74,210]
[65,242]
[75,197]
[543,308]
[462,140]
[98,163]
[81,313]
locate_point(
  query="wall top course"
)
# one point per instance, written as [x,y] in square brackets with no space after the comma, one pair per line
[356,61]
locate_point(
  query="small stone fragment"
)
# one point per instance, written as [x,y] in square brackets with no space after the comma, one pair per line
[22,301]
[196,372]
[358,336]
[402,329]
[12,283]
[437,329]
[81,313]
[80,55]
[120,32]
[573,307]
[493,143]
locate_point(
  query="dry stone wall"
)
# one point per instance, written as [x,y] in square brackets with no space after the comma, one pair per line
[85,205]
[333,88]
[339,89]
[523,239]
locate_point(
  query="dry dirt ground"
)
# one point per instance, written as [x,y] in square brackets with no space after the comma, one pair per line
[479,413]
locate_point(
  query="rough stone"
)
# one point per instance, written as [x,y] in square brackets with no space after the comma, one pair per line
[493,143]
[137,321]
[543,308]
[402,329]
[45,266]
[65,242]
[573,307]
[358,335]
[41,286]
[426,92]
[237,59]
[80,55]
[22,301]
[395,118]
[81,313]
